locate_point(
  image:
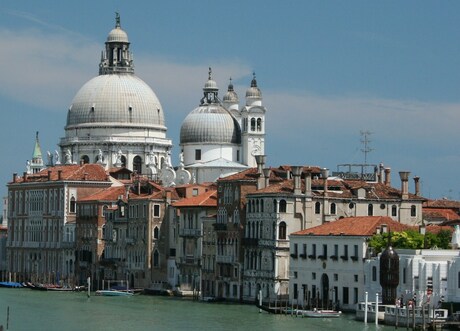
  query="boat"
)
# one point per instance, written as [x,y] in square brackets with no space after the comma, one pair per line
[321,313]
[10,284]
[114,293]
[408,316]
[360,312]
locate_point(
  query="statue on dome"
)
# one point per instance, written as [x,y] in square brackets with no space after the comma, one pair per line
[57,157]
[118,162]
[99,157]
[181,159]
[50,158]
[28,166]
[68,156]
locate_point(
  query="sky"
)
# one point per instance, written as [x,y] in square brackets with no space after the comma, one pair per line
[328,71]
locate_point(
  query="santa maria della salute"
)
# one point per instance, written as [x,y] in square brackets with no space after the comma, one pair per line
[109,206]
[116,120]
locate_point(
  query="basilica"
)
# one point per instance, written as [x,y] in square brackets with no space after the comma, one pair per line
[116,120]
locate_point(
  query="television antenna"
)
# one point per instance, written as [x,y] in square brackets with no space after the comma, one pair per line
[366,144]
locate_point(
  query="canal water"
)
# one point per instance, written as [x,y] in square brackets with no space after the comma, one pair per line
[69,311]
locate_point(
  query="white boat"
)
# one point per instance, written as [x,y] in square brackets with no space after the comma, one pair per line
[321,313]
[114,293]
[404,316]
[360,311]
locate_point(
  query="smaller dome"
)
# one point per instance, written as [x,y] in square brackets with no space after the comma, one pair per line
[253,92]
[117,35]
[230,96]
[211,85]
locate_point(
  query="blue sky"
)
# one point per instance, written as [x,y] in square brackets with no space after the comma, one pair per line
[327,70]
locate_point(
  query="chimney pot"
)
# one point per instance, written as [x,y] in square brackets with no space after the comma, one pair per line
[15,177]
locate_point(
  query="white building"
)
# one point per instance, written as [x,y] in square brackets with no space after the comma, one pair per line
[327,265]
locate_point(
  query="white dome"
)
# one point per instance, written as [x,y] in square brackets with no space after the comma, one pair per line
[116,99]
[210,124]
[117,35]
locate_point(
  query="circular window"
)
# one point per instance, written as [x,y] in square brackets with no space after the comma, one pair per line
[382,206]
[351,205]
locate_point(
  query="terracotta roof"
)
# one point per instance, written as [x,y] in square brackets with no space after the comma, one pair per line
[436,228]
[442,203]
[108,194]
[354,226]
[441,214]
[207,199]
[71,172]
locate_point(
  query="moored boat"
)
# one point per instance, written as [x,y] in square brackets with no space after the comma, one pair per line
[321,313]
[113,293]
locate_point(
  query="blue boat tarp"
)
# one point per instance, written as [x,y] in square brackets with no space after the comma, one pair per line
[10,284]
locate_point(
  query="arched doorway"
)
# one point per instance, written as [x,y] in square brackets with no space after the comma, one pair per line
[324,291]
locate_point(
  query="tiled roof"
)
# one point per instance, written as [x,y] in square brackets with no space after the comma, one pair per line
[440,214]
[71,172]
[442,203]
[207,199]
[354,226]
[108,194]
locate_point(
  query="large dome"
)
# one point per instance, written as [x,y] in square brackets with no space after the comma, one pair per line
[210,124]
[115,99]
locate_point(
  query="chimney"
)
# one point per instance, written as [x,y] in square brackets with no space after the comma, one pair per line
[308,183]
[388,176]
[417,185]
[325,174]
[85,176]
[381,173]
[260,160]
[49,175]
[296,173]
[267,172]
[59,174]
[24,175]
[15,177]
[404,175]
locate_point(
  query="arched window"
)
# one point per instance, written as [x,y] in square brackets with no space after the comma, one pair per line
[413,211]
[333,208]
[137,164]
[253,124]
[73,205]
[275,205]
[85,159]
[370,209]
[374,274]
[259,124]
[282,206]
[317,207]
[156,233]
[123,161]
[282,230]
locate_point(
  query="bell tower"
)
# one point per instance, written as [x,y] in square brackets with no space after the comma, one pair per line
[253,125]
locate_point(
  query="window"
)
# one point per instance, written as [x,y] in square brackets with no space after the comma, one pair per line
[195,192]
[404,277]
[413,211]
[336,277]
[156,259]
[313,275]
[156,233]
[317,208]
[197,154]
[73,205]
[253,124]
[156,210]
[282,230]
[356,278]
[355,295]
[296,292]
[282,206]
[137,164]
[259,124]
[374,273]
[394,210]
[333,209]
[370,210]
[345,295]
[123,161]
